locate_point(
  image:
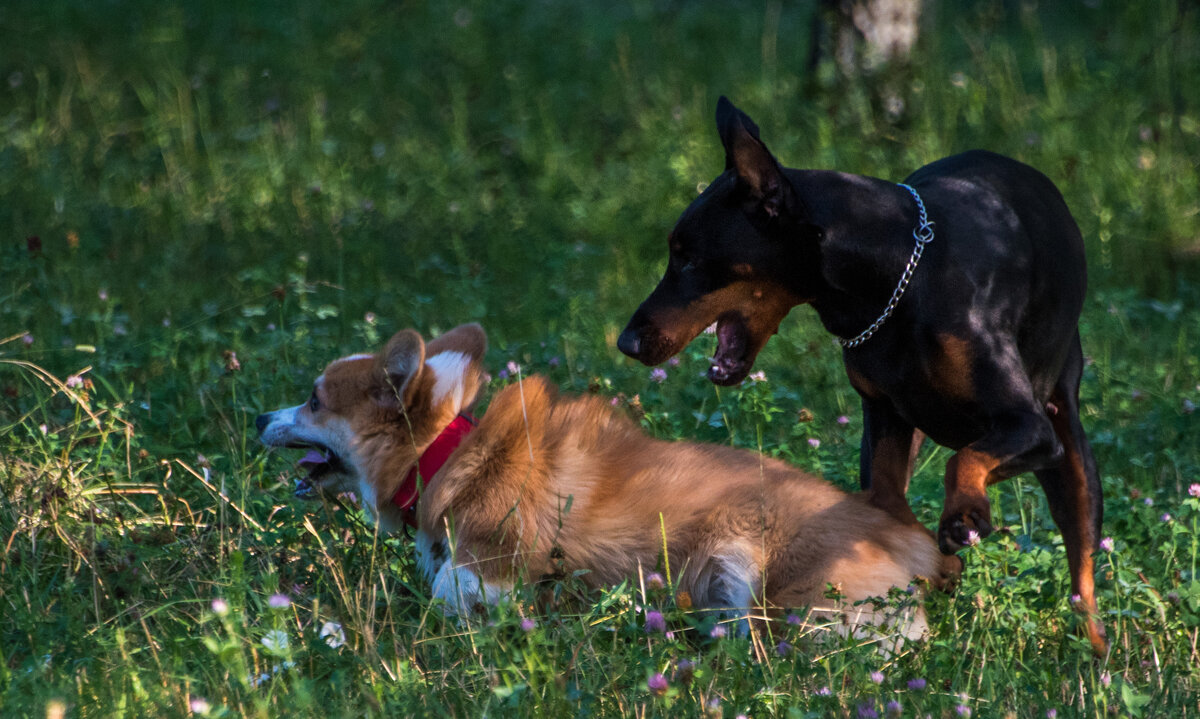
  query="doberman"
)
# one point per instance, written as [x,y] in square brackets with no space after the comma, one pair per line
[956,298]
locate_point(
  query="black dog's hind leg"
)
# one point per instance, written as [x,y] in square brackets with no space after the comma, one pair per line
[1073,493]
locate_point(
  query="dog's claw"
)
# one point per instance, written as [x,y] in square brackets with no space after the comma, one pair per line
[963,530]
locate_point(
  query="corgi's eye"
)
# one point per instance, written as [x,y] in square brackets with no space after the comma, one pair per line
[314,404]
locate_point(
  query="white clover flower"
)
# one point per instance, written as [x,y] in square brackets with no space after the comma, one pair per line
[333,634]
[276,641]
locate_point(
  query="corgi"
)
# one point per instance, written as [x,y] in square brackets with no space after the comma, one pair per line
[546,484]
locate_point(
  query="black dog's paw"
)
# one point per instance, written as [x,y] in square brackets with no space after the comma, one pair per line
[963,530]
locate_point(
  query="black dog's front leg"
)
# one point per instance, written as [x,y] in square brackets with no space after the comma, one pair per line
[1019,440]
[889,453]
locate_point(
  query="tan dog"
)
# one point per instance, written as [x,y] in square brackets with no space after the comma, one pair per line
[547,484]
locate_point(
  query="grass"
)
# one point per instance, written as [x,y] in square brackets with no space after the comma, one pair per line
[204,204]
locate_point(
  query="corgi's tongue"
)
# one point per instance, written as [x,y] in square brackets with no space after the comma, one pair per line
[313,465]
[313,459]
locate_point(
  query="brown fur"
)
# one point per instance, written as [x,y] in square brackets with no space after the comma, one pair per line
[549,483]
[504,492]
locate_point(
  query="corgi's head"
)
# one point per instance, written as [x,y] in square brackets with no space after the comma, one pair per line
[370,416]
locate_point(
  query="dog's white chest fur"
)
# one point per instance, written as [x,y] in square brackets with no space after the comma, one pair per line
[457,585]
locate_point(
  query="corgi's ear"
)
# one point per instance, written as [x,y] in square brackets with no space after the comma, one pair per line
[456,361]
[469,339]
[402,362]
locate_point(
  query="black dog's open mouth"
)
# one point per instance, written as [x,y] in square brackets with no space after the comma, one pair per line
[729,364]
[316,464]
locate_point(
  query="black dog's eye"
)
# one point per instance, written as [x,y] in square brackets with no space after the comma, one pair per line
[313,403]
[686,263]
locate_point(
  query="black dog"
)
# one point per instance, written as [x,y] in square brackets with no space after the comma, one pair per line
[971,339]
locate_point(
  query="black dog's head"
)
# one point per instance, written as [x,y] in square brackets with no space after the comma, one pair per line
[738,257]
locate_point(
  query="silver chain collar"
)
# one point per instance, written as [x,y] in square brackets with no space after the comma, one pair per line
[923,234]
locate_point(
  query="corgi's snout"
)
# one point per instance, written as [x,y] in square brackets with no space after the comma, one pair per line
[261,422]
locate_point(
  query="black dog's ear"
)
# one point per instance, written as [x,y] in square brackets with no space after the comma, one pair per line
[746,155]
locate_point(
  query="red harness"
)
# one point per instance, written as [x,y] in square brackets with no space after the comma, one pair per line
[430,462]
